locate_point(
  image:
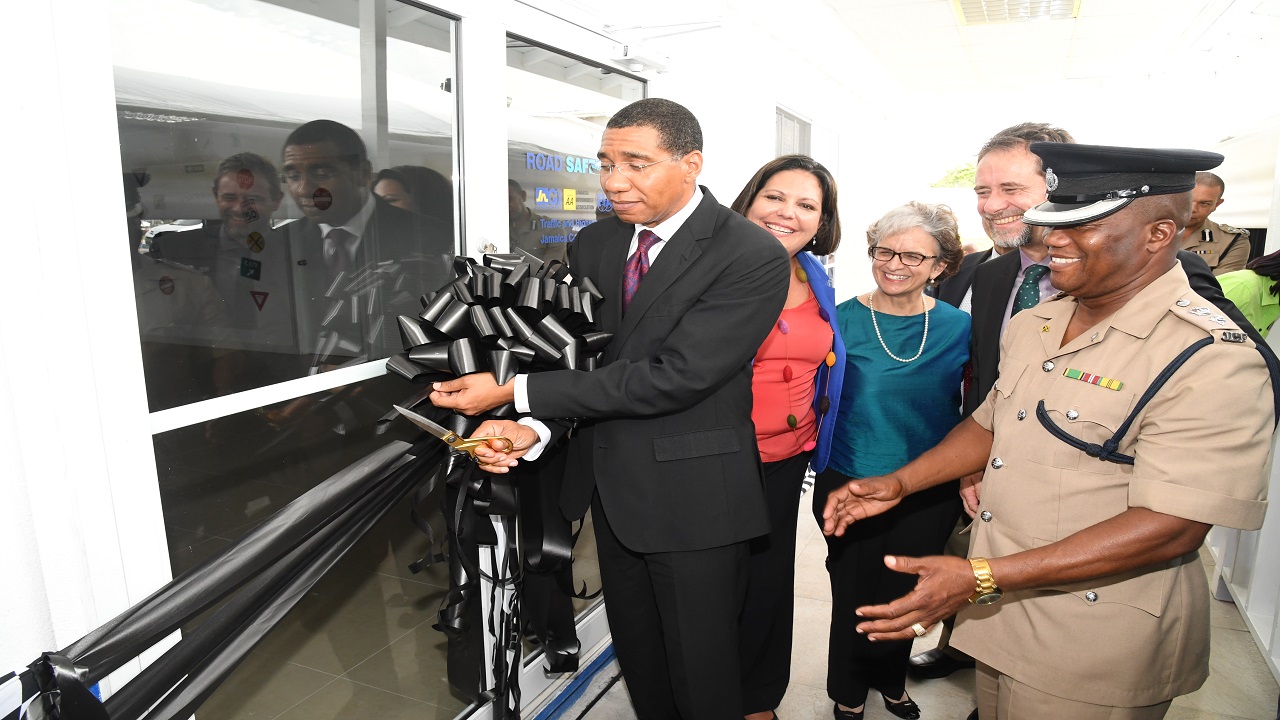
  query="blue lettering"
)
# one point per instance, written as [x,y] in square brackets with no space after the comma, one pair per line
[529,161]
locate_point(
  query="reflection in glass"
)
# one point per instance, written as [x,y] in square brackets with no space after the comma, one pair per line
[250,135]
[363,634]
[235,263]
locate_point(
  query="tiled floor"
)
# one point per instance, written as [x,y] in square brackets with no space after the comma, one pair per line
[1240,685]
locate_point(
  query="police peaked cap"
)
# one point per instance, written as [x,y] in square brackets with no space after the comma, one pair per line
[1088,182]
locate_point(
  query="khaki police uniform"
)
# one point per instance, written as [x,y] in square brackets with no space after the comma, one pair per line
[1223,247]
[1142,637]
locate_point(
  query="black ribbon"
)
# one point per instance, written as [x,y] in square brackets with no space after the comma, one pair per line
[512,314]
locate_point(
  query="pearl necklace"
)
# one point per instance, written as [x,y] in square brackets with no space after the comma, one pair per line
[871,304]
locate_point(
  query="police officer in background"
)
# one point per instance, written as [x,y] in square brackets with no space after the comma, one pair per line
[1083,595]
[1223,247]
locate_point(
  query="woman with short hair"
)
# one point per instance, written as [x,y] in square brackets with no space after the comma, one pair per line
[905,355]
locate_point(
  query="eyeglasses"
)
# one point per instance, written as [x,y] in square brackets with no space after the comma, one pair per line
[632,169]
[910,259]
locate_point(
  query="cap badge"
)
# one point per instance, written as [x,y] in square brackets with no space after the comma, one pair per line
[1050,180]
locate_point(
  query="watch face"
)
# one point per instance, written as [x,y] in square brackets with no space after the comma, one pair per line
[988,598]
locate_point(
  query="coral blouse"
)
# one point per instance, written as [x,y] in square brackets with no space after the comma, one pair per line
[783,381]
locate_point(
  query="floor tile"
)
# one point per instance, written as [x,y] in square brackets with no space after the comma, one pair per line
[812,580]
[346,699]
[262,687]
[1225,615]
[1240,683]
[812,629]
[349,616]
[414,666]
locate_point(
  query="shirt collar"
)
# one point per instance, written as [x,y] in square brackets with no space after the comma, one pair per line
[356,224]
[1028,262]
[1138,316]
[668,227]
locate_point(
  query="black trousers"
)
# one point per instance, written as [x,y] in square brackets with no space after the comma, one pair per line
[769,611]
[916,527]
[674,621]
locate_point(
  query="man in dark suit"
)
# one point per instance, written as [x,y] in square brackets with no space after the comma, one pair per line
[668,448]
[350,245]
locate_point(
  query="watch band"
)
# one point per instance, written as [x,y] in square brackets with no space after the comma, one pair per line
[985,582]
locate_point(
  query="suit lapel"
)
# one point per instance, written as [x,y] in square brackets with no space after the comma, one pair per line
[676,256]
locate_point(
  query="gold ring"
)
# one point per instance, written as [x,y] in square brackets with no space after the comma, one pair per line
[918,629]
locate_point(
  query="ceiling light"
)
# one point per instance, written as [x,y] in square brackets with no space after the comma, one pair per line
[986,12]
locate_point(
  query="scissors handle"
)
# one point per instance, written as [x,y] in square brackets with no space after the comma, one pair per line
[469,445]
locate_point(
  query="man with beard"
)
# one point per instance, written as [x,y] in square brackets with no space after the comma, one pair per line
[1004,190]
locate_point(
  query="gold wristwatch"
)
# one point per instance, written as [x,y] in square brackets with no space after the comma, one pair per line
[986,592]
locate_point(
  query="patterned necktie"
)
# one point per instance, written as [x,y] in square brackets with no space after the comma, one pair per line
[1029,291]
[637,266]
[338,250]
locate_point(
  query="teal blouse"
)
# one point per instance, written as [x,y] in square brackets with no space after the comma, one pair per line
[890,412]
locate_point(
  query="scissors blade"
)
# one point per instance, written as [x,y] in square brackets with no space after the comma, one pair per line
[439,431]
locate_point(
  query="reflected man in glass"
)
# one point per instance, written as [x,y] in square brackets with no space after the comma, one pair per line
[359,260]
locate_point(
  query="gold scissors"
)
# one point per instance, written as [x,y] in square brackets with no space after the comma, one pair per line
[453,439]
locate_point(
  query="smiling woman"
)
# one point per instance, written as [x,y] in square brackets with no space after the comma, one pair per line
[795,386]
[904,358]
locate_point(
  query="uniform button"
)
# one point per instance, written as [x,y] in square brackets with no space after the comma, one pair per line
[1047,366]
[985,515]
[997,463]
[1072,415]
[1183,302]
[1091,597]
[1022,414]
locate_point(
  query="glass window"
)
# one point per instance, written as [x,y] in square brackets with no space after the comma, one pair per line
[257,142]
[289,190]
[557,108]
[792,134]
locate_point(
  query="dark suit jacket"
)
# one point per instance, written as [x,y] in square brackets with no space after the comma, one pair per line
[671,447]
[993,284]
[422,245]
[952,290]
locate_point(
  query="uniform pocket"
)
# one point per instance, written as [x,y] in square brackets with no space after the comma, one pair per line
[699,443]
[1146,590]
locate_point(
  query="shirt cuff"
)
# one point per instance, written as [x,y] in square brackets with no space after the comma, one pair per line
[521,391]
[544,436]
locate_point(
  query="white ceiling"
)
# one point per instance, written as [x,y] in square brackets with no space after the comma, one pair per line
[1121,72]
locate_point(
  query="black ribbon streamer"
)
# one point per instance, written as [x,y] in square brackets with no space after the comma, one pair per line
[512,314]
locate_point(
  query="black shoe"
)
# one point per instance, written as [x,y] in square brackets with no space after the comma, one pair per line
[847,714]
[907,709]
[973,715]
[936,663]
